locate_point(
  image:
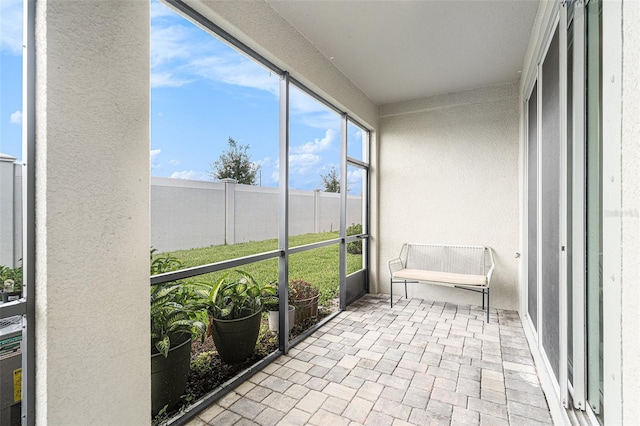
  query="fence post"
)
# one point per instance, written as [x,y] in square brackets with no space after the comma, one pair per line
[229,210]
[7,210]
[316,211]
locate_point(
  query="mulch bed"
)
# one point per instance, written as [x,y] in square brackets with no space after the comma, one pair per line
[208,371]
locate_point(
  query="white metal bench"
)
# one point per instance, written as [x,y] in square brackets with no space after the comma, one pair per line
[464,267]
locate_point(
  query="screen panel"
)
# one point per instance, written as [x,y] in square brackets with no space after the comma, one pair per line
[550,193]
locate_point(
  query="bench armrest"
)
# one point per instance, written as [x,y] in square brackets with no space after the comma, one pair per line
[492,267]
[395,265]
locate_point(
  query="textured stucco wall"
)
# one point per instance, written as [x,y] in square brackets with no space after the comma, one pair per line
[449,174]
[92,213]
[631,210]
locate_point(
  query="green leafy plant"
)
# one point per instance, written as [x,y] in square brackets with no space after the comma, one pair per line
[354,247]
[270,303]
[176,310]
[10,278]
[234,296]
[300,290]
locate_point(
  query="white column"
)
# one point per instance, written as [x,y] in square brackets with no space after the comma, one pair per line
[630,232]
[92,212]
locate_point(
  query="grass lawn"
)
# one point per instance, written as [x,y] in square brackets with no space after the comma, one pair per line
[320,266]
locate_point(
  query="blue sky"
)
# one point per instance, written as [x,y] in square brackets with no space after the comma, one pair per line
[202,93]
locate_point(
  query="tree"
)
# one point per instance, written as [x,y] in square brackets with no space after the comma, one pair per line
[331,181]
[235,163]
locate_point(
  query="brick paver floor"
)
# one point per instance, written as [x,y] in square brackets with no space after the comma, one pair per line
[419,363]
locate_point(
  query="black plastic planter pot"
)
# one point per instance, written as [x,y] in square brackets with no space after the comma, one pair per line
[10,296]
[169,375]
[236,339]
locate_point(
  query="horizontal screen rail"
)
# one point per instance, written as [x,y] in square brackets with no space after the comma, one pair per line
[213,267]
[11,309]
[300,249]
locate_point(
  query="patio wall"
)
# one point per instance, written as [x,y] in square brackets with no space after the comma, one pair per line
[450,167]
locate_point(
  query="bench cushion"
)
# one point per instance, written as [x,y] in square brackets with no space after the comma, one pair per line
[442,277]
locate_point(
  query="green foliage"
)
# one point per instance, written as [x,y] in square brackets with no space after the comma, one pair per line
[331,181]
[10,278]
[235,163]
[354,247]
[175,309]
[300,290]
[236,298]
[202,364]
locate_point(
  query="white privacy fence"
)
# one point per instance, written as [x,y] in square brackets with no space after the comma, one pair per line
[191,214]
[10,211]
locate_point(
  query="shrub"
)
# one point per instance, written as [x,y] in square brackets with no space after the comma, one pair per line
[354,247]
[300,290]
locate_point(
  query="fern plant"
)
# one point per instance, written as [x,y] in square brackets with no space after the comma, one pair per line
[176,311]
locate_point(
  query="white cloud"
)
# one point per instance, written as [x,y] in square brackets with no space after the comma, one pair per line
[159,10]
[317,145]
[181,54]
[167,79]
[153,158]
[302,163]
[11,26]
[190,175]
[16,118]
[236,70]
[354,180]
[265,162]
[311,112]
[174,162]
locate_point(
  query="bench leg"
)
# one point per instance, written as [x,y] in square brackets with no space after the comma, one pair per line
[391,287]
[487,305]
[405,289]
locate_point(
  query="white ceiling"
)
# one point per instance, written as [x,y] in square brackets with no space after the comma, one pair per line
[400,50]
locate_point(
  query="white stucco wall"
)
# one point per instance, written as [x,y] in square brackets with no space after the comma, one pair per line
[92,213]
[449,174]
[630,210]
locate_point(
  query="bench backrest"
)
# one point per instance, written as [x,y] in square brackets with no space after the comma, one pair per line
[446,258]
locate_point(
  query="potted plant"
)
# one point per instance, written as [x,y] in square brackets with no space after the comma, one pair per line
[176,318]
[10,283]
[235,310]
[272,307]
[305,298]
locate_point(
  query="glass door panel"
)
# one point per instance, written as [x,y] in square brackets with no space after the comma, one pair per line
[594,207]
